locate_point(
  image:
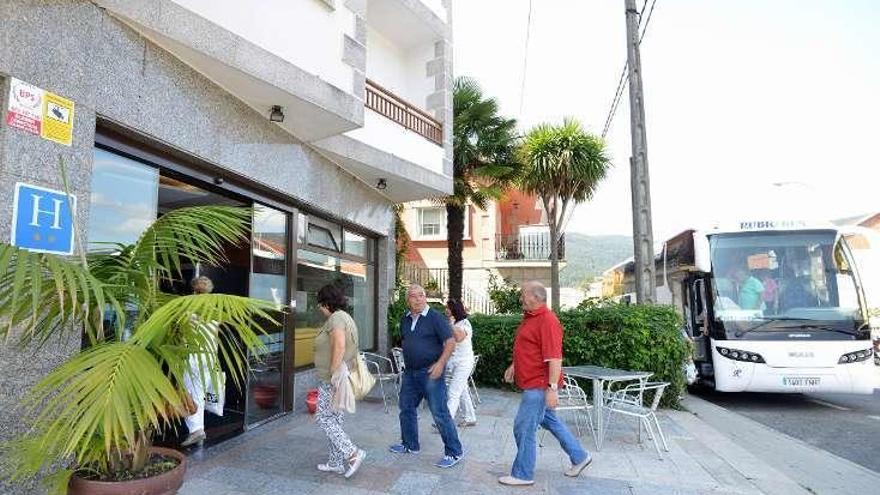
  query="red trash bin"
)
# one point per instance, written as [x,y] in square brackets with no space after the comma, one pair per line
[312,400]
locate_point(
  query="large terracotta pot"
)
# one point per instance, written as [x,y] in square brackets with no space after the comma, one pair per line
[165,484]
[265,395]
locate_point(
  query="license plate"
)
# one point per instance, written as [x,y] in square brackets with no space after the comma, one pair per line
[801,381]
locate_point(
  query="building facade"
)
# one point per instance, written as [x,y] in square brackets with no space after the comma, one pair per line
[321,114]
[510,239]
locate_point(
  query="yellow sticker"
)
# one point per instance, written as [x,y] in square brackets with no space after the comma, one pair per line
[57,119]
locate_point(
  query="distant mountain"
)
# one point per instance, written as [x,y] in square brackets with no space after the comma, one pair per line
[588,256]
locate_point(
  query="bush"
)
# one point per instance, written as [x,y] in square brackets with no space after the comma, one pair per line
[504,295]
[395,311]
[634,337]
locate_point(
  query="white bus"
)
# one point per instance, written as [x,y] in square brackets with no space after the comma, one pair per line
[773,306]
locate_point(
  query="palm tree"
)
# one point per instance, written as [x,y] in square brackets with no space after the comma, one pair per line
[483,165]
[562,164]
[99,410]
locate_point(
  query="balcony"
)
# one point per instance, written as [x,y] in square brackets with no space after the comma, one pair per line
[526,247]
[399,143]
[390,106]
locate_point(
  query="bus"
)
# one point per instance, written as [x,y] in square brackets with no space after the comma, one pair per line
[772,305]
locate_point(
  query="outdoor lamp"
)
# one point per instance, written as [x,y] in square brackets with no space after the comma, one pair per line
[277,114]
[381,185]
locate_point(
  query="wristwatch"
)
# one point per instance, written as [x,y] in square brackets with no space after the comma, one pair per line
[553,386]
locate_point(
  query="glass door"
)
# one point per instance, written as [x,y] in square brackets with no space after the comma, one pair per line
[268,382]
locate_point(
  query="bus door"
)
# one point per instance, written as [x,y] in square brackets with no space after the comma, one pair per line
[699,319]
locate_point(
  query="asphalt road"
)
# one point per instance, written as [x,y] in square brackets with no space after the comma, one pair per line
[843,424]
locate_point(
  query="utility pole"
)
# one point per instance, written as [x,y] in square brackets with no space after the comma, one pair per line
[643,237]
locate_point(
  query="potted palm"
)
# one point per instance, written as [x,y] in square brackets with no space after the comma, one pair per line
[94,417]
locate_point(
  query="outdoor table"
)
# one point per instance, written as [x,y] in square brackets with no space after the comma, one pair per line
[600,376]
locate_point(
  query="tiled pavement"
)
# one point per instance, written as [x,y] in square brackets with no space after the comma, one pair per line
[280,458]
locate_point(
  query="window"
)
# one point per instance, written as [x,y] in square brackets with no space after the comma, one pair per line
[123,200]
[432,223]
[357,279]
[354,244]
[324,234]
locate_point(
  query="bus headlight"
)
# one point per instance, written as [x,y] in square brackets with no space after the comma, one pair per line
[738,355]
[856,356]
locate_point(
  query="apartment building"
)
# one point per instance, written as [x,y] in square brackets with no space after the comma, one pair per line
[321,114]
[510,239]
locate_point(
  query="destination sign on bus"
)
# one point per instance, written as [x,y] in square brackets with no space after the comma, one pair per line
[772,224]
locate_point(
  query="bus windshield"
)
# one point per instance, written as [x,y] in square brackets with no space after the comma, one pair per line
[783,282]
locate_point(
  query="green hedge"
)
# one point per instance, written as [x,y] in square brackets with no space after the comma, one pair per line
[632,337]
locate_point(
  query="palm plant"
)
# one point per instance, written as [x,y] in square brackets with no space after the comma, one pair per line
[483,165]
[563,165]
[99,410]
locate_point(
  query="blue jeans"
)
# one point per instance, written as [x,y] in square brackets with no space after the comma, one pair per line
[417,385]
[532,412]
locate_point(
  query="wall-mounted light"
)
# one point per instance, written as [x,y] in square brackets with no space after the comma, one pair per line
[381,185]
[277,114]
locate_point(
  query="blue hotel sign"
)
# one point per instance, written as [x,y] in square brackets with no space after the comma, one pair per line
[42,219]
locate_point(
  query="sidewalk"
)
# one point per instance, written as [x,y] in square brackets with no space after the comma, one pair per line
[280,458]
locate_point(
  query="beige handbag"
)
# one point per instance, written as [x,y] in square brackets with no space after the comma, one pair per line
[362,381]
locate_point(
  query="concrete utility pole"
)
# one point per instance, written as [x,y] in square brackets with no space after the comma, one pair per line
[643,237]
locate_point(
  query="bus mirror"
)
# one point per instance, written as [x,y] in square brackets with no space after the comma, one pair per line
[702,260]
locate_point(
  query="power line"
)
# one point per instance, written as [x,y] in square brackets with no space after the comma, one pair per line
[624,78]
[522,89]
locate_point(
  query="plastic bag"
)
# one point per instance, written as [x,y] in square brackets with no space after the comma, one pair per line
[215,394]
[343,395]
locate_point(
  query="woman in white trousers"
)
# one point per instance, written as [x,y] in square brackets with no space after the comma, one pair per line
[461,364]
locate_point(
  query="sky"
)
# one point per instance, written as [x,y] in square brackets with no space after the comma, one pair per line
[739,95]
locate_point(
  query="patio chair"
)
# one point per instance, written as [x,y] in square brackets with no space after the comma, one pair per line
[473,385]
[630,401]
[572,398]
[383,370]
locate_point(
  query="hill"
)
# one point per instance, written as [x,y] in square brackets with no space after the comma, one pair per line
[588,256]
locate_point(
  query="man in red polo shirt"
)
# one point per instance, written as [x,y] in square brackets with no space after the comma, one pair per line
[537,370]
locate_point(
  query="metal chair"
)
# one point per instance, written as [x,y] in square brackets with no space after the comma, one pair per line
[383,370]
[630,401]
[572,398]
[473,384]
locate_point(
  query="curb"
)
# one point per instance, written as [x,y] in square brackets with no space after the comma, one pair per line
[813,469]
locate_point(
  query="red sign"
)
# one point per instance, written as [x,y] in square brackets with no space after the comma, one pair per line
[25,107]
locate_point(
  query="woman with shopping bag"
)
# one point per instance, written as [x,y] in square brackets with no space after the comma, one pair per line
[198,379]
[336,357]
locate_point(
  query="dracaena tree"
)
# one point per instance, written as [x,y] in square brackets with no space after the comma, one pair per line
[562,165]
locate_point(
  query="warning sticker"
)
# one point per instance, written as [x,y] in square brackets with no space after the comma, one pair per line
[25,107]
[57,119]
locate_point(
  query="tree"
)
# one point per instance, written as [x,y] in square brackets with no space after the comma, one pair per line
[562,164]
[98,411]
[483,165]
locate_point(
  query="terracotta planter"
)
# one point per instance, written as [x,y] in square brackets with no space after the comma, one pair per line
[265,396]
[165,484]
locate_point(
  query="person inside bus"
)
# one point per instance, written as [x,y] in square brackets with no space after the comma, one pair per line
[770,295]
[797,292]
[750,289]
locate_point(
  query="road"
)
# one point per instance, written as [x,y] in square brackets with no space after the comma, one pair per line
[843,424]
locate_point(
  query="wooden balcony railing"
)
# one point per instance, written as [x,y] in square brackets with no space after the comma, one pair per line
[386,103]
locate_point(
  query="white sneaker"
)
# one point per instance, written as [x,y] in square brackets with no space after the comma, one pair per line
[511,481]
[327,468]
[355,462]
[196,437]
[575,470]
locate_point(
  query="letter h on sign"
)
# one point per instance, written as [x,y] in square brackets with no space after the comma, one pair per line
[42,219]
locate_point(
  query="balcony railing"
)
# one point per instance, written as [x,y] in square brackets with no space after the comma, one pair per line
[526,246]
[391,106]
